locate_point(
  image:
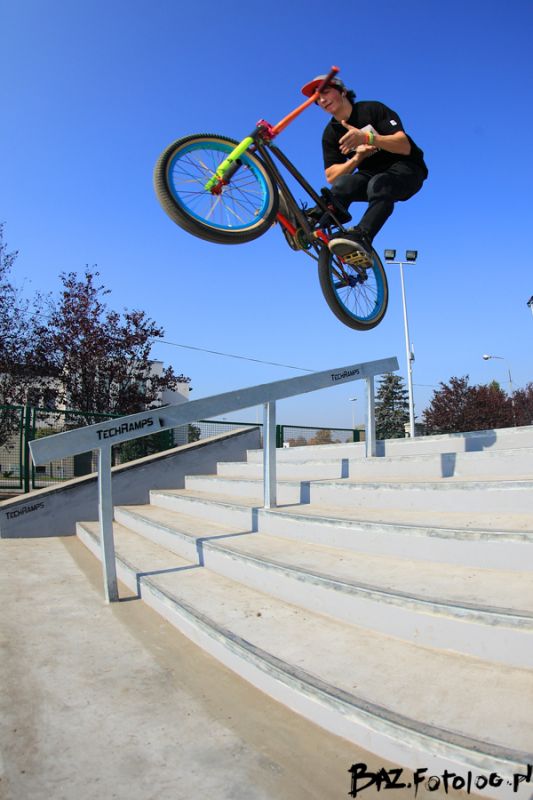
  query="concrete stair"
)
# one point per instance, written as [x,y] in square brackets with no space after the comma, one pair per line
[388,602]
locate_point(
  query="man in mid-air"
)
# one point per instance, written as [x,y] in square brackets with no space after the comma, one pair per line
[368,157]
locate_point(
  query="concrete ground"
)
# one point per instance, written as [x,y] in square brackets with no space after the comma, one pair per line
[110,701]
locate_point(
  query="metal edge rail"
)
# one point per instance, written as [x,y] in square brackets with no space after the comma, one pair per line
[102,436]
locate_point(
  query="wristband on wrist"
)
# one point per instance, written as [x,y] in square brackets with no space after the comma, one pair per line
[370,137]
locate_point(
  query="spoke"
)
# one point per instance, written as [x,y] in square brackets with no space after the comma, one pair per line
[241,199]
[359,300]
[207,168]
[234,213]
[215,204]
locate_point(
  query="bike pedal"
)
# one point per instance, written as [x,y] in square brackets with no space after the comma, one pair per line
[357,259]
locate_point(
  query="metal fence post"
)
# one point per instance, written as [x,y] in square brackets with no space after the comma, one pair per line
[105,514]
[26,448]
[269,455]
[370,445]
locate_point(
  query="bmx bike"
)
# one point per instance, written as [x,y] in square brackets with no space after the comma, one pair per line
[231,192]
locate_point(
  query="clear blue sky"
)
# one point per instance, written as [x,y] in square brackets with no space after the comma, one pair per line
[93,92]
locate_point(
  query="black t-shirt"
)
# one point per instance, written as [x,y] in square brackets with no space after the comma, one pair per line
[384,121]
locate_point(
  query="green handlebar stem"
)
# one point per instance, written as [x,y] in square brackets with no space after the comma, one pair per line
[226,164]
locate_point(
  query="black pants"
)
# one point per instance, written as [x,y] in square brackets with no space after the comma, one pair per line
[400,182]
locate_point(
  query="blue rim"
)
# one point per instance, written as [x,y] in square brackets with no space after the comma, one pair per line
[380,287]
[225,148]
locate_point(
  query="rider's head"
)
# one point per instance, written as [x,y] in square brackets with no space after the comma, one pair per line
[334,92]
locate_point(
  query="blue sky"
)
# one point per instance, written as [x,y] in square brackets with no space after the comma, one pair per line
[93,92]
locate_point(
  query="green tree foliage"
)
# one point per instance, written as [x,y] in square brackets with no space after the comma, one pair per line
[193,434]
[458,407]
[392,407]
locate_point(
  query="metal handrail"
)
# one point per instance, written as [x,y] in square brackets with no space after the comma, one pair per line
[103,435]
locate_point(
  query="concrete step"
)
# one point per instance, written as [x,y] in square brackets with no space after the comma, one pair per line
[483,540]
[486,613]
[499,496]
[496,496]
[411,704]
[297,470]
[514,463]
[312,452]
[474,441]
[499,464]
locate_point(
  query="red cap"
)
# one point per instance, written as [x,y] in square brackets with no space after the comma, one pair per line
[313,85]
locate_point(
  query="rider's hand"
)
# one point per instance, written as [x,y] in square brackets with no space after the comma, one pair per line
[365,150]
[354,137]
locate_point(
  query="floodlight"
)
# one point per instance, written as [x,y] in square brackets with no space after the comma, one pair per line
[390,255]
[411,255]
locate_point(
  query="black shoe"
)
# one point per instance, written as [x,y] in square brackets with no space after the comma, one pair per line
[354,247]
[320,218]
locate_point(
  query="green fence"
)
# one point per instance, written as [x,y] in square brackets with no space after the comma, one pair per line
[300,435]
[12,423]
[22,424]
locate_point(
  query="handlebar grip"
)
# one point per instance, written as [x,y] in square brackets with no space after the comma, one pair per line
[331,74]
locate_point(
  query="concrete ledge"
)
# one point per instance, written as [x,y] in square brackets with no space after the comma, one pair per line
[495,439]
[54,511]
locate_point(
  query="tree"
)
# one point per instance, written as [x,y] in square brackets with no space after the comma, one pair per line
[97,360]
[322,436]
[392,407]
[523,405]
[194,434]
[14,330]
[20,373]
[457,407]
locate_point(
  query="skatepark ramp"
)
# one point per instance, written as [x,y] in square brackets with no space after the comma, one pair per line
[384,591]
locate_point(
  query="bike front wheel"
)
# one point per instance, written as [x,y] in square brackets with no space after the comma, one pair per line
[242,211]
[359,298]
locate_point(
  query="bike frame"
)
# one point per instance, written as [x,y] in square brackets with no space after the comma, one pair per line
[260,141]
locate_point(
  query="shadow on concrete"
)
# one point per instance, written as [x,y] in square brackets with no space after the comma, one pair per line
[203,539]
[447,464]
[154,572]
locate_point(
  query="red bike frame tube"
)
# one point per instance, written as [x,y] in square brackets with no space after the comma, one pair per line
[286,224]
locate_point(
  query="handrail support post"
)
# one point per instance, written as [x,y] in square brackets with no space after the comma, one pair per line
[105,515]
[269,455]
[370,445]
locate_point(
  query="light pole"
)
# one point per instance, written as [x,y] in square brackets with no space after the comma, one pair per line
[352,400]
[410,258]
[487,357]
[530,303]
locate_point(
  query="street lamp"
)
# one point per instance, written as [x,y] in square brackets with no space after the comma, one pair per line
[352,400]
[530,303]
[410,258]
[487,357]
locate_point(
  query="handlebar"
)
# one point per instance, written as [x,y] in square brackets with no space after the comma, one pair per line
[229,165]
[297,111]
[331,74]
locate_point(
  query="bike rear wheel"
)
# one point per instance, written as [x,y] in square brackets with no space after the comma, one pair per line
[242,211]
[359,299]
